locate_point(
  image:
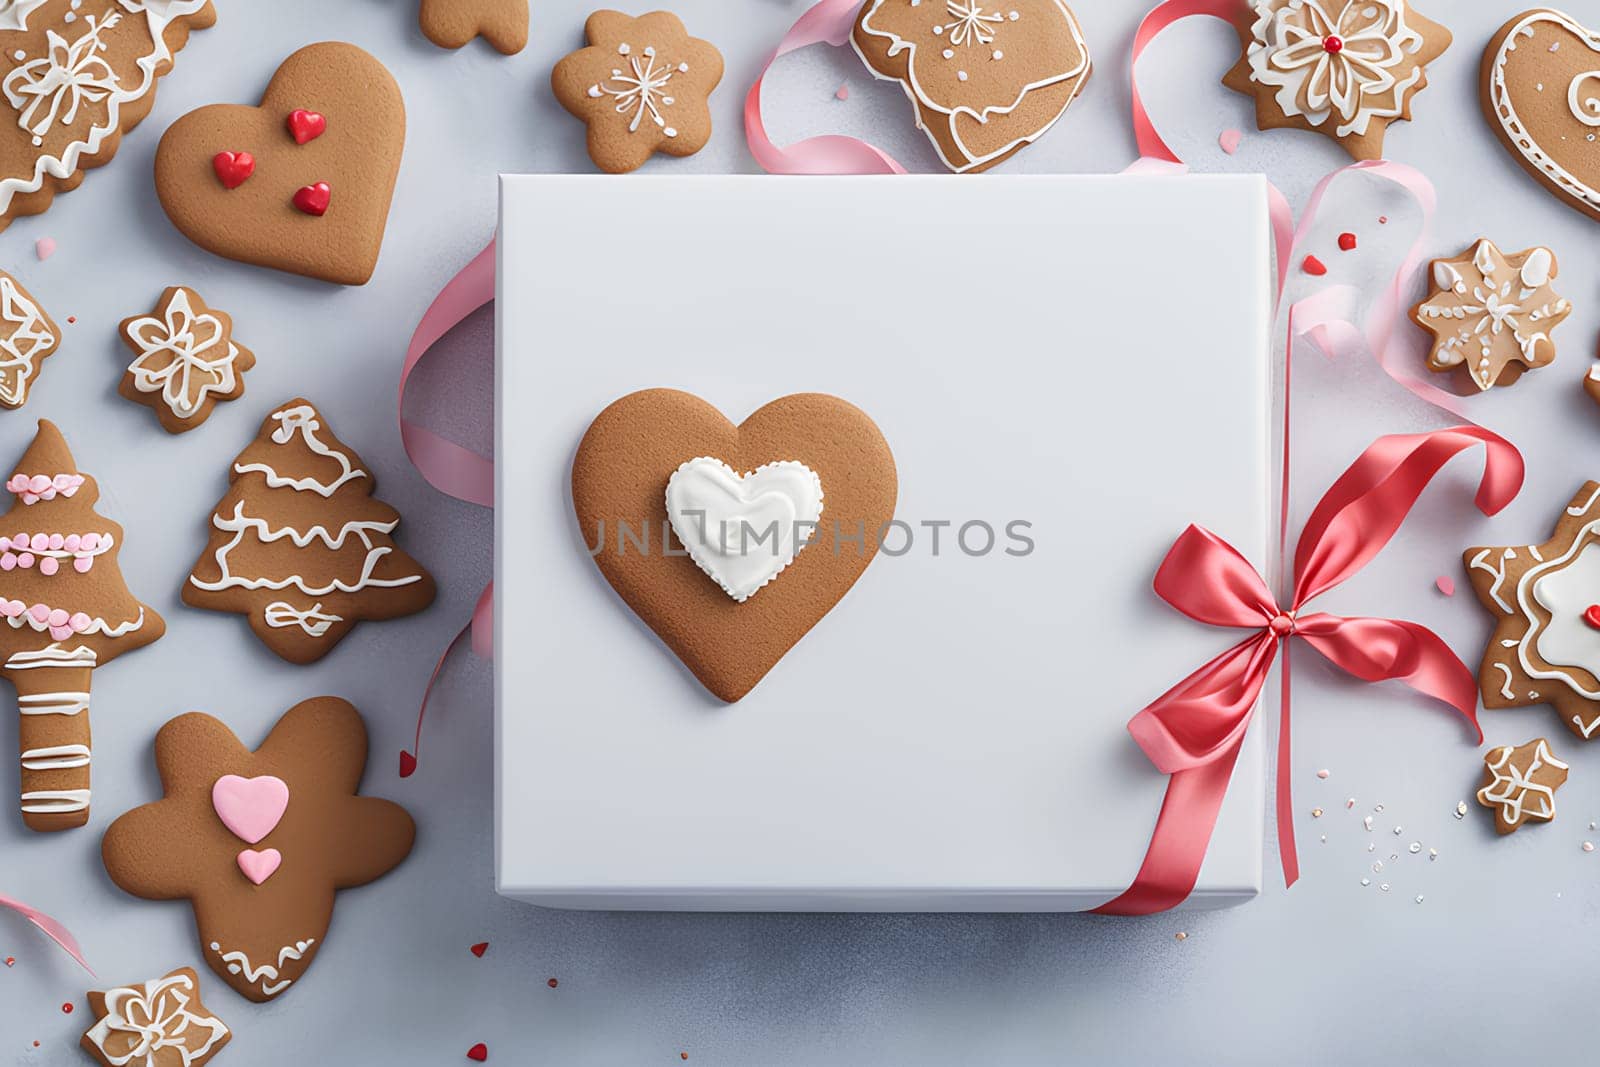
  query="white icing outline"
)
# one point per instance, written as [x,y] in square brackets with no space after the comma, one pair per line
[164,1032]
[239,524]
[303,419]
[915,92]
[54,656]
[313,620]
[73,703]
[1511,125]
[55,801]
[1487,309]
[238,963]
[56,758]
[1512,784]
[174,333]
[1585,111]
[30,328]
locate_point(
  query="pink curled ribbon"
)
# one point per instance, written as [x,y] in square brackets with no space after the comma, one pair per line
[52,929]
[1194,731]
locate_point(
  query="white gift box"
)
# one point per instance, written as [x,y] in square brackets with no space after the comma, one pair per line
[1086,355]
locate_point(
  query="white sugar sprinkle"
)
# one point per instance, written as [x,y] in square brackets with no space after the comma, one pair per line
[1384,886]
[1316,813]
[1378,808]
[1461,809]
[1588,846]
[1367,822]
[1366,881]
[1376,867]
[1419,898]
[1433,854]
[1398,830]
[1416,846]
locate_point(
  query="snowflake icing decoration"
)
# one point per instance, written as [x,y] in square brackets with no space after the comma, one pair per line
[641,88]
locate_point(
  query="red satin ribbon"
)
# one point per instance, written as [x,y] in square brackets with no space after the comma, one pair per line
[1194,731]
[52,929]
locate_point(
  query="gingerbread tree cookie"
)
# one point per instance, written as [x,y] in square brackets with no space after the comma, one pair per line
[66,611]
[1545,598]
[185,360]
[27,336]
[1520,783]
[159,1023]
[987,79]
[299,546]
[1342,68]
[1491,315]
[259,842]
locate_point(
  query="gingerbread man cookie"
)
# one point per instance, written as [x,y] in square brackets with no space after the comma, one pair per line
[77,76]
[452,23]
[27,336]
[1520,783]
[66,610]
[986,79]
[1343,68]
[642,86]
[298,544]
[260,841]
[159,1023]
[185,360]
[752,532]
[1541,93]
[1491,315]
[301,182]
[1545,598]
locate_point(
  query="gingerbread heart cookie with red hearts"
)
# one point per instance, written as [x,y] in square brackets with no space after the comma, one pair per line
[301,183]
[260,841]
[452,23]
[753,532]
[1541,93]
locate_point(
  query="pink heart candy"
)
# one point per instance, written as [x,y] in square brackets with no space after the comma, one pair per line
[250,808]
[259,866]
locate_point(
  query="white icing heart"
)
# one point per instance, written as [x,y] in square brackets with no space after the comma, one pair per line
[743,530]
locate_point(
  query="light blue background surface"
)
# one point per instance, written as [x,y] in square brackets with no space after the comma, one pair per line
[1496,961]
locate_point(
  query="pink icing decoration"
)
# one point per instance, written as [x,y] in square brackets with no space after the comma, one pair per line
[39,542]
[8,562]
[90,542]
[71,542]
[48,566]
[259,866]
[1229,141]
[81,564]
[44,487]
[79,622]
[40,612]
[250,808]
[25,560]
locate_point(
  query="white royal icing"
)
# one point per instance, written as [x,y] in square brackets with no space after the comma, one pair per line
[1501,303]
[55,801]
[1551,587]
[1350,85]
[56,758]
[743,530]
[54,656]
[24,334]
[642,88]
[972,30]
[313,620]
[1514,789]
[241,525]
[1504,109]
[14,13]
[182,356]
[157,1015]
[266,974]
[55,87]
[74,703]
[302,420]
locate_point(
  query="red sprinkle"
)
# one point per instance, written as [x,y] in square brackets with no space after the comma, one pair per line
[1347,242]
[1591,615]
[1383,220]
[552,983]
[478,1052]
[1314,266]
[71,319]
[480,948]
[1446,584]
[683,1055]
[66,1009]
[11,961]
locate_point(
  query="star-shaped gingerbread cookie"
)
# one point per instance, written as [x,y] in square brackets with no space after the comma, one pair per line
[1343,68]
[1545,648]
[1491,314]
[1520,784]
[260,841]
[159,1023]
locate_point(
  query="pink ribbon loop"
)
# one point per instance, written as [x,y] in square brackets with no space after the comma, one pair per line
[52,929]
[1194,731]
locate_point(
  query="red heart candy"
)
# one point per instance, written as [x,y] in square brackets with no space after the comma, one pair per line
[1591,615]
[408,764]
[233,168]
[313,199]
[306,125]
[480,948]
[478,1052]
[1347,242]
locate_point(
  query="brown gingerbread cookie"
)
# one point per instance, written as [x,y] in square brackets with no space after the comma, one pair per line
[159,1023]
[76,76]
[1591,382]
[300,183]
[1545,598]
[1520,783]
[452,23]
[260,841]
[642,85]
[1342,68]
[27,336]
[299,546]
[185,361]
[986,79]
[1491,315]
[752,533]
[66,610]
[1541,93]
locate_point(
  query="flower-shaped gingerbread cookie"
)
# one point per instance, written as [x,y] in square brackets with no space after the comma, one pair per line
[185,360]
[986,78]
[1545,648]
[260,841]
[1492,314]
[1344,68]
[1520,784]
[159,1023]
[642,86]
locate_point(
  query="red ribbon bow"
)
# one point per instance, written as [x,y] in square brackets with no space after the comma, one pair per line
[1194,731]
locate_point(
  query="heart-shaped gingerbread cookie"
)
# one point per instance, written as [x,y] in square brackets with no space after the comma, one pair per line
[1541,91]
[731,542]
[325,146]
